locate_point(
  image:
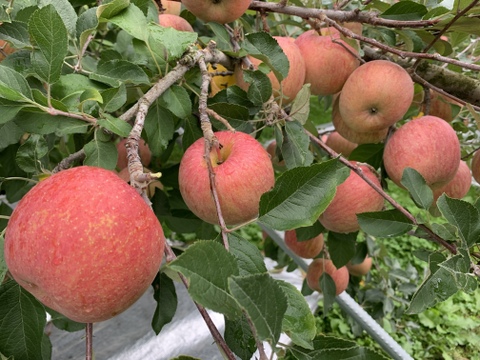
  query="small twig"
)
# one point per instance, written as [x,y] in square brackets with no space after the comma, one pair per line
[65,163]
[89,341]
[427,100]
[260,347]
[78,65]
[224,121]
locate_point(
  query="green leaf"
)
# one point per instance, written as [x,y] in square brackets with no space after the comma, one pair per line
[417,187]
[299,322]
[341,247]
[260,89]
[115,125]
[8,109]
[166,298]
[301,105]
[112,8]
[464,216]
[22,321]
[405,11]
[388,223]
[31,152]
[87,24]
[90,95]
[116,72]
[63,323]
[236,115]
[177,100]
[159,127]
[329,291]
[222,37]
[10,133]
[295,146]
[239,338]
[368,153]
[131,19]
[65,10]
[263,301]
[114,99]
[301,194]
[101,154]
[43,124]
[3,264]
[49,35]
[208,266]
[249,258]
[15,32]
[309,232]
[169,41]
[13,86]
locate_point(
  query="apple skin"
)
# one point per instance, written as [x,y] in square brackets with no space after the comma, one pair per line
[339,144]
[241,179]
[360,269]
[293,82]
[143,150]
[6,49]
[318,266]
[475,165]
[440,106]
[220,11]
[459,186]
[375,96]
[372,137]
[174,21]
[328,64]
[307,249]
[272,151]
[427,144]
[84,243]
[353,196]
[171,7]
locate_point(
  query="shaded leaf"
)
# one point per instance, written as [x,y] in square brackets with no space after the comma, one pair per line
[239,337]
[30,152]
[341,247]
[295,146]
[417,187]
[405,10]
[115,125]
[249,258]
[387,223]
[166,297]
[116,72]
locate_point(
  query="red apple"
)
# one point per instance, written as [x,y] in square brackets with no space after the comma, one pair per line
[307,249]
[427,144]
[353,196]
[293,82]
[143,149]
[440,106]
[171,7]
[318,266]
[476,166]
[360,269]
[328,64]
[375,96]
[339,144]
[174,21]
[459,186]
[243,172]
[220,11]
[84,243]
[272,151]
[5,49]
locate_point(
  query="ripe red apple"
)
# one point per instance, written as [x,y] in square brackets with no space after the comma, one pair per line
[458,187]
[328,64]
[318,266]
[427,144]
[375,96]
[307,249]
[143,150]
[372,137]
[440,106]
[360,269]
[243,172]
[172,7]
[174,21]
[84,243]
[353,196]
[339,144]
[220,11]
[475,165]
[293,82]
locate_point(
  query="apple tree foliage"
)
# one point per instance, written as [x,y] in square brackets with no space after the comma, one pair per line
[76,83]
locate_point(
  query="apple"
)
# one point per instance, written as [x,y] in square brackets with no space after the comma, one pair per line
[174,21]
[459,186]
[243,172]
[307,249]
[475,165]
[339,144]
[84,243]
[427,144]
[220,11]
[353,196]
[440,106]
[293,82]
[5,49]
[143,150]
[171,7]
[372,137]
[375,96]
[328,64]
[318,266]
[272,151]
[360,269]
[220,82]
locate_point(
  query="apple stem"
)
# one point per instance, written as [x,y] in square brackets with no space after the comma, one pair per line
[89,341]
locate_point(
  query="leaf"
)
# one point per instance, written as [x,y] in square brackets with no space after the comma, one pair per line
[166,298]
[30,152]
[114,99]
[101,154]
[239,338]
[405,11]
[299,322]
[115,125]
[43,124]
[63,323]
[341,247]
[368,153]
[417,187]
[86,25]
[301,194]
[329,291]
[159,127]
[249,258]
[222,37]
[236,115]
[309,232]
[10,133]
[170,42]
[22,321]
[464,216]
[3,264]
[260,88]
[49,35]
[131,19]
[264,302]
[13,86]
[295,146]
[116,72]
[112,8]
[15,32]
[65,10]
[301,105]
[8,109]
[177,100]
[387,223]
[208,266]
